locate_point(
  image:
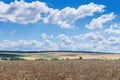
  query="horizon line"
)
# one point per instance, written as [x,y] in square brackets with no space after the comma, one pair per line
[25,51]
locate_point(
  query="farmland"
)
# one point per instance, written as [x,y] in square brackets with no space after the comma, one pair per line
[59,66]
[59,55]
[60,70]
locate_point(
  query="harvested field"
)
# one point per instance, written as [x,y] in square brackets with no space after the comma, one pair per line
[60,70]
[72,55]
[60,55]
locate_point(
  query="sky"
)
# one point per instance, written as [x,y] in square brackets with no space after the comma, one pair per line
[58,25]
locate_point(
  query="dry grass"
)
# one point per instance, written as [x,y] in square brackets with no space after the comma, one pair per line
[60,70]
[71,55]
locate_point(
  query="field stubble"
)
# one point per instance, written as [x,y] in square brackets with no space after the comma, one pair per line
[60,70]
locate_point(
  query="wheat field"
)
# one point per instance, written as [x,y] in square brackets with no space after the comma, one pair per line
[60,70]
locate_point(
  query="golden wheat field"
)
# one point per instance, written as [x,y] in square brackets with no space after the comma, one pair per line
[60,70]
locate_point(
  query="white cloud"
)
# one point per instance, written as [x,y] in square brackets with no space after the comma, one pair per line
[96,41]
[98,22]
[45,36]
[65,39]
[49,45]
[66,42]
[28,45]
[92,37]
[93,41]
[113,44]
[24,13]
[6,44]
[112,40]
[67,16]
[114,28]
[3,19]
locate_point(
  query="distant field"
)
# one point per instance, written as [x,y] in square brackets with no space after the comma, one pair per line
[60,70]
[61,55]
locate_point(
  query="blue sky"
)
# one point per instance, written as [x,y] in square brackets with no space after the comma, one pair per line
[89,25]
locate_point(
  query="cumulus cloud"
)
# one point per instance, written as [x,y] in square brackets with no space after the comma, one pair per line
[67,16]
[24,13]
[114,29]
[28,45]
[6,44]
[45,36]
[63,42]
[65,39]
[49,45]
[98,22]
[93,41]
[92,36]
[112,40]
[113,44]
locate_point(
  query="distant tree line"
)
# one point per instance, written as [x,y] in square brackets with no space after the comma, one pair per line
[11,58]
